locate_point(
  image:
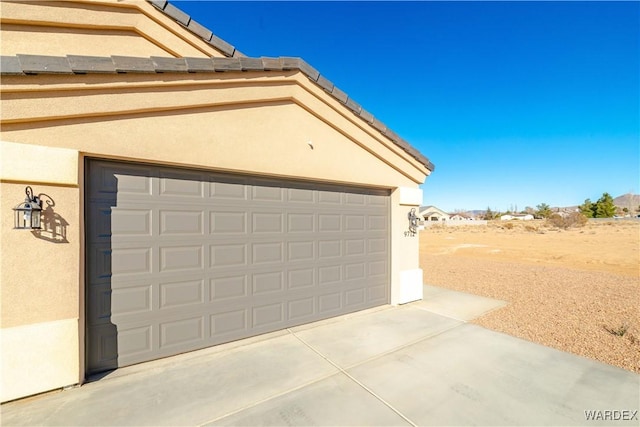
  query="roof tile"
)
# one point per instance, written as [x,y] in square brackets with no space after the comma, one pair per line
[227,64]
[91,64]
[251,64]
[339,95]
[200,30]
[353,106]
[325,83]
[379,125]
[177,14]
[271,63]
[311,72]
[195,65]
[222,45]
[366,116]
[169,65]
[10,65]
[160,4]
[290,63]
[42,64]
[131,64]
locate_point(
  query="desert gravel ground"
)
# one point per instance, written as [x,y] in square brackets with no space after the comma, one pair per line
[577,290]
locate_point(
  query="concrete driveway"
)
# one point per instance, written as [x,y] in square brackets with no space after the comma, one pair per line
[418,364]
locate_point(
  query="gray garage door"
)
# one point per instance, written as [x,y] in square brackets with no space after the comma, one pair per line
[179,260]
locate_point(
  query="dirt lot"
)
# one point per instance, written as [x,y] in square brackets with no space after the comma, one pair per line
[577,290]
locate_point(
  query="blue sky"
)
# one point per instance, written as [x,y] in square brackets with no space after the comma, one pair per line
[516,103]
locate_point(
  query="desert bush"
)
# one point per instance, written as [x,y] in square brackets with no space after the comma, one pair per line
[508,225]
[618,331]
[574,219]
[530,228]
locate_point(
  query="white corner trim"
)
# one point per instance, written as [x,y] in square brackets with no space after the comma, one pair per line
[410,196]
[410,286]
[38,358]
[38,164]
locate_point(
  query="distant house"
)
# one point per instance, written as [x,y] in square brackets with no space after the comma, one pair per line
[519,217]
[460,217]
[431,213]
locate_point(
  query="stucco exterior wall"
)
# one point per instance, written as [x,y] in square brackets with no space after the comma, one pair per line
[261,123]
[94,27]
[260,130]
[40,290]
[228,123]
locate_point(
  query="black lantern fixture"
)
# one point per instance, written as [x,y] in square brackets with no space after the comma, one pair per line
[27,214]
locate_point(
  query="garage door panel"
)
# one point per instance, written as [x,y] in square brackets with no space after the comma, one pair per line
[329,198]
[377,222]
[181,260]
[377,293]
[330,303]
[302,308]
[130,261]
[181,293]
[300,196]
[354,223]
[302,251]
[228,255]
[300,223]
[301,278]
[330,274]
[230,287]
[355,271]
[267,222]
[181,333]
[267,315]
[181,187]
[354,199]
[99,270]
[266,192]
[229,324]
[130,300]
[122,180]
[231,222]
[181,222]
[228,191]
[99,312]
[267,253]
[328,249]
[355,297]
[265,283]
[133,341]
[329,223]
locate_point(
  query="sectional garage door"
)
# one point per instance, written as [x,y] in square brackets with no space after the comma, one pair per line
[179,260]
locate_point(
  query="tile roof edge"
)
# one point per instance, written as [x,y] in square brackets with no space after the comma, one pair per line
[195,28]
[79,64]
[286,63]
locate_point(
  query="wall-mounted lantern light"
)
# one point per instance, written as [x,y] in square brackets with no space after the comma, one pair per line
[27,214]
[413,221]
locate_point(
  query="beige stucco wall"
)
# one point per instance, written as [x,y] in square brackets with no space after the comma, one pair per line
[40,272]
[260,127]
[233,121]
[270,123]
[95,27]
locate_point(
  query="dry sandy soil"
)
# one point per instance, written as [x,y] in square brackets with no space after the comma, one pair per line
[577,290]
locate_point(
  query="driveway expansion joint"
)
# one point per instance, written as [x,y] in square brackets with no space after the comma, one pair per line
[360,384]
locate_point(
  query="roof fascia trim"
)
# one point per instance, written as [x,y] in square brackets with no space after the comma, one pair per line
[77,64]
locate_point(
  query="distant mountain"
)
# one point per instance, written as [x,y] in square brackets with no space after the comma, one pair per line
[629,201]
